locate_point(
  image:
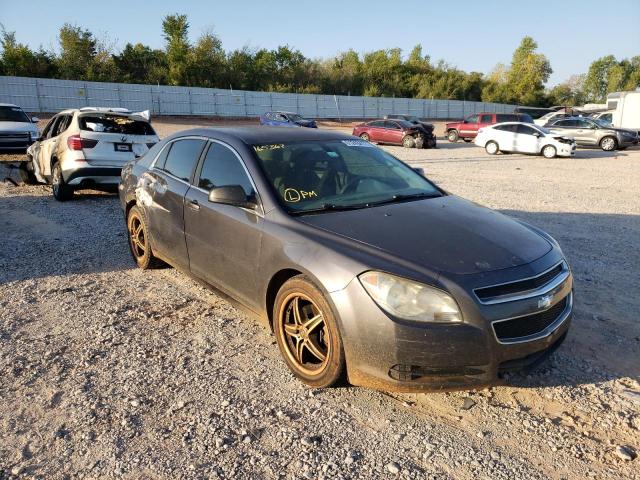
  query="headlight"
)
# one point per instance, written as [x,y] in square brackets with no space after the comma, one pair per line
[410,300]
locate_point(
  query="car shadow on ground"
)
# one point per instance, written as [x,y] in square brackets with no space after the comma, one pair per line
[604,340]
[43,237]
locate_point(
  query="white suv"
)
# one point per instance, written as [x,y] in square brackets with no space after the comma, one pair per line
[87,148]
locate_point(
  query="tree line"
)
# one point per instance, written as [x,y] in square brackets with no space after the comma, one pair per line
[205,63]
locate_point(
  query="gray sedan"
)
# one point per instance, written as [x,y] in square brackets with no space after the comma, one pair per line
[594,132]
[363,269]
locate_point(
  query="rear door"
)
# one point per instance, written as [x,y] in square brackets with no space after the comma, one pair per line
[223,240]
[376,131]
[469,128]
[166,185]
[120,138]
[505,135]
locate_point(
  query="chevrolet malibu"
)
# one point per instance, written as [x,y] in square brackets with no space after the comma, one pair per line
[364,270]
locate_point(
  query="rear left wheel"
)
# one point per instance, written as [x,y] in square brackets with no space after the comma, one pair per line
[491,148]
[140,239]
[365,137]
[61,191]
[307,334]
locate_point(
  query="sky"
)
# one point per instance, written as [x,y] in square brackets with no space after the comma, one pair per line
[470,35]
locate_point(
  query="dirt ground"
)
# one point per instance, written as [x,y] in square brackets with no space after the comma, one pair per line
[110,372]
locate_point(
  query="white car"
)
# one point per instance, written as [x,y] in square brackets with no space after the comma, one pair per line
[17,130]
[87,148]
[524,138]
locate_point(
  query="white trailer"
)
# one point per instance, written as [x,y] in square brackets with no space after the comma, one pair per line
[626,109]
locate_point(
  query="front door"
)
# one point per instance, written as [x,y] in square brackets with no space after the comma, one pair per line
[46,147]
[223,241]
[393,132]
[162,191]
[469,129]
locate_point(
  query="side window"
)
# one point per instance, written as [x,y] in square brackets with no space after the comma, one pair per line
[506,128]
[472,119]
[63,124]
[524,130]
[377,124]
[182,158]
[565,123]
[392,125]
[585,124]
[221,167]
[486,118]
[46,133]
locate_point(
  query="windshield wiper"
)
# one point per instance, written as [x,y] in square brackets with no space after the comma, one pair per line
[399,197]
[329,207]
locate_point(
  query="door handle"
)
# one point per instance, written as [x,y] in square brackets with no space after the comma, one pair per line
[193,205]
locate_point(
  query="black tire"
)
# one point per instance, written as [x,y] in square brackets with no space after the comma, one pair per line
[453,136]
[408,141]
[364,136]
[609,143]
[140,239]
[316,355]
[61,191]
[26,173]
[492,148]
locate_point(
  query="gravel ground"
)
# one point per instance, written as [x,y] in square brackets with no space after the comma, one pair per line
[110,372]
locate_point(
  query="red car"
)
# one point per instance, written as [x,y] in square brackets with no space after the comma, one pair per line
[467,129]
[394,132]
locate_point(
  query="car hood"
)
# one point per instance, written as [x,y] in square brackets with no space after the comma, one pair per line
[18,127]
[446,234]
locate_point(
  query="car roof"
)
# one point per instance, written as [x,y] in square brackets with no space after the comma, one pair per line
[262,134]
[10,105]
[283,111]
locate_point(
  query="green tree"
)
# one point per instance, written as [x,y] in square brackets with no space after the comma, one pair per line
[19,60]
[206,62]
[527,74]
[175,30]
[596,83]
[140,64]
[77,50]
[569,92]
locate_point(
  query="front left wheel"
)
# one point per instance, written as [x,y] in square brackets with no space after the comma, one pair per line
[549,151]
[307,334]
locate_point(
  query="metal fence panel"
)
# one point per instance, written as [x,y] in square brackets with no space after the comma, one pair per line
[52,95]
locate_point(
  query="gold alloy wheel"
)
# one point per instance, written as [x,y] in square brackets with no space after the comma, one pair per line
[305,334]
[137,239]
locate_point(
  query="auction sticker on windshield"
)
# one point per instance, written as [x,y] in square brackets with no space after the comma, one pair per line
[357,143]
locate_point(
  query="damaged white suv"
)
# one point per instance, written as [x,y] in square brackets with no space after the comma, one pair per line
[87,148]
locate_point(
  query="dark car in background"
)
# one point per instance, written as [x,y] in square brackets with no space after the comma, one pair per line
[467,129]
[392,132]
[360,266]
[590,132]
[286,119]
[430,138]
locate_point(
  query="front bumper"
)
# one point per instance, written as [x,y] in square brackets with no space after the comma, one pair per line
[393,354]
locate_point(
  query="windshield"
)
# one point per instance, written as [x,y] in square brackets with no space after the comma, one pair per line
[294,117]
[338,174]
[13,114]
[543,130]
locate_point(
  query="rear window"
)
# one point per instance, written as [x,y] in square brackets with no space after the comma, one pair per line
[115,124]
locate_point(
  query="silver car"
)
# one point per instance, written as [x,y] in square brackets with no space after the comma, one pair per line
[87,148]
[593,132]
[17,130]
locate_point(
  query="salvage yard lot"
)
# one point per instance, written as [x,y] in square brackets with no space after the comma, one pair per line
[107,371]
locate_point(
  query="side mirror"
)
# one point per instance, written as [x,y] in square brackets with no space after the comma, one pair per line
[231,195]
[35,119]
[537,134]
[419,171]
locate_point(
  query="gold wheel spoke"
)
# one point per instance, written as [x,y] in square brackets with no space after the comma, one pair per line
[299,349]
[296,311]
[314,349]
[311,324]
[291,329]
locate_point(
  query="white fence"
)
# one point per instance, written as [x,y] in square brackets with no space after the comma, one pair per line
[50,95]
